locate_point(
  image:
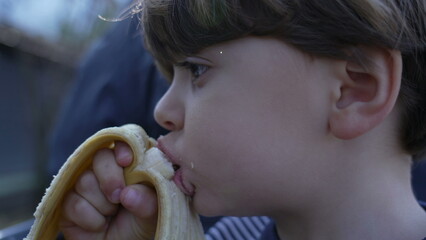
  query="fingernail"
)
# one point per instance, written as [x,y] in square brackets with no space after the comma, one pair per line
[115,197]
[124,158]
[130,197]
[124,155]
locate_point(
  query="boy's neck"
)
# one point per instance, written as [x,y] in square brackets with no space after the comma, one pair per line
[380,205]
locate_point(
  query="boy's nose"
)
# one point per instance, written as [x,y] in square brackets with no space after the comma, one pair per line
[169,112]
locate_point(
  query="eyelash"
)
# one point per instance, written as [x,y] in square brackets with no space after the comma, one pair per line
[195,69]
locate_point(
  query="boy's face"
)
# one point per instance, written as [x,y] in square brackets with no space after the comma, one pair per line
[247,121]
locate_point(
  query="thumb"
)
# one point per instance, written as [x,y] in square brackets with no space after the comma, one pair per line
[140,200]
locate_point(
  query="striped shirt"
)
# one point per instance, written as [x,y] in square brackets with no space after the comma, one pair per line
[238,228]
[248,228]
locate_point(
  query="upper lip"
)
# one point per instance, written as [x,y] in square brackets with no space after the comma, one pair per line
[170,157]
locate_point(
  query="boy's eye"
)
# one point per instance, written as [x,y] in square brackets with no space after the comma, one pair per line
[195,69]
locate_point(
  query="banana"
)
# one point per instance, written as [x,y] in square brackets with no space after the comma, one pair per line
[176,219]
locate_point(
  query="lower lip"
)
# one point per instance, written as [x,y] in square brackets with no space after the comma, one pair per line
[178,180]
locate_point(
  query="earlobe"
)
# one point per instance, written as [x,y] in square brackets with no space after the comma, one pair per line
[367,94]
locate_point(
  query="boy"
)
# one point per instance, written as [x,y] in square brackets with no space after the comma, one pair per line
[309,112]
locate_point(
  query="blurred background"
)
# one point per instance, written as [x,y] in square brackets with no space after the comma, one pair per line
[41,44]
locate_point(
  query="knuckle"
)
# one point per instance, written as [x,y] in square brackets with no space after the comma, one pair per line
[108,188]
[78,206]
[73,205]
[102,154]
[86,182]
[79,211]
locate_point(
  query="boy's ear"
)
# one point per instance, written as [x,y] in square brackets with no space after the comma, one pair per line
[367,94]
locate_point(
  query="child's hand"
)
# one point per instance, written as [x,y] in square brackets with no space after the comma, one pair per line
[101,207]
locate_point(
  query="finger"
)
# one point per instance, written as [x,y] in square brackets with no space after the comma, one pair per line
[79,211]
[123,154]
[140,200]
[109,174]
[88,187]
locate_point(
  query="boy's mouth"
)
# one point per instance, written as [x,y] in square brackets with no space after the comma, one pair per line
[176,167]
[187,188]
[178,178]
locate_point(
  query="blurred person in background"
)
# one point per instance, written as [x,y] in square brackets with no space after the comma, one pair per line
[116,83]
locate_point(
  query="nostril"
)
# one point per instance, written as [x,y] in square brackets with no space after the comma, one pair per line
[169,125]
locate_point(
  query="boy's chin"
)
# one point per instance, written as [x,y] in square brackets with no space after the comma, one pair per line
[209,209]
[205,209]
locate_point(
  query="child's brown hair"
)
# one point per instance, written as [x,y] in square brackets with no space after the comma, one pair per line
[328,28]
